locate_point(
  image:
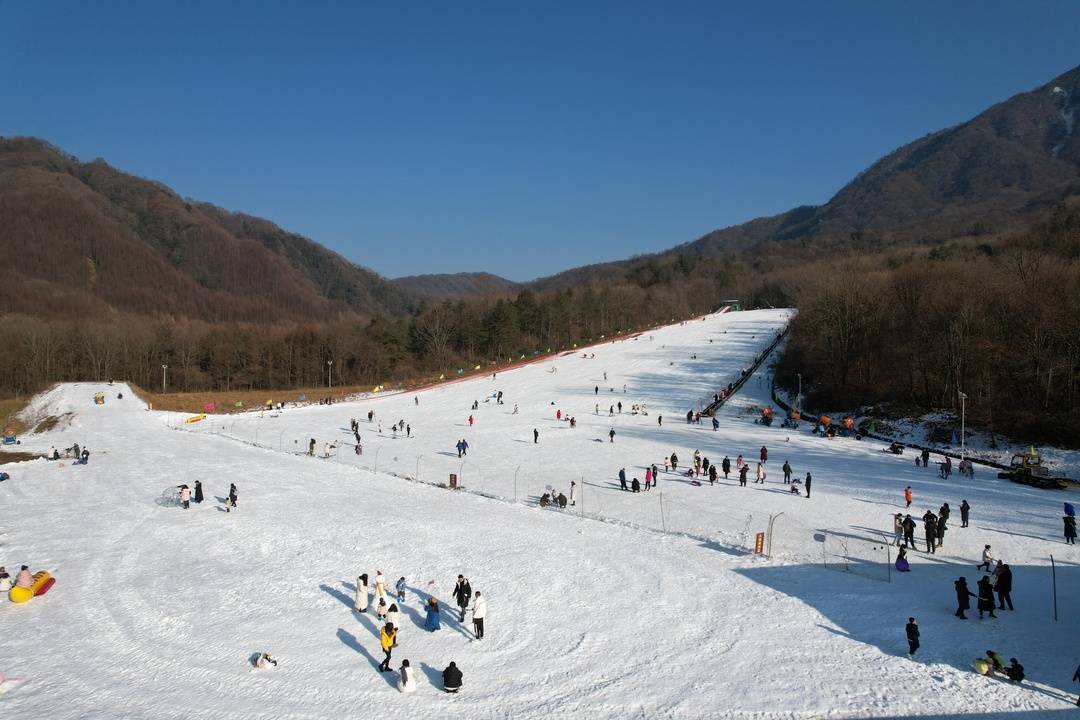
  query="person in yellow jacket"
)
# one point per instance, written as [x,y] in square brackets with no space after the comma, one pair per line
[387,638]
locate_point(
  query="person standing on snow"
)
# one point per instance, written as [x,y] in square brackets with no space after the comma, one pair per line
[470,421]
[807,484]
[387,640]
[930,528]
[674,462]
[622,478]
[908,496]
[462,593]
[185,496]
[479,612]
[536,436]
[611,435]
[912,630]
[962,595]
[725,465]
[987,558]
[1070,528]
[941,530]
[230,503]
[712,474]
[764,453]
[432,621]
[898,528]
[964,510]
[198,491]
[742,475]
[311,447]
[361,594]
[573,493]
[909,532]
[760,479]
[393,616]
[1003,587]
[400,587]
[787,472]
[986,597]
[660,420]
[648,476]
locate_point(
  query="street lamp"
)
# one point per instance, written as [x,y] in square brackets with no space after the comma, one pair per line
[798,398]
[163,369]
[963,412]
[329,374]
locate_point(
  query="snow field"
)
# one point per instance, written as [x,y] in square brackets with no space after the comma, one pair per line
[156,609]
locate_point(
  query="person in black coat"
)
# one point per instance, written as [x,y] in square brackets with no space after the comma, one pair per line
[986,597]
[930,526]
[635,485]
[198,491]
[712,474]
[962,595]
[451,678]
[909,532]
[964,510]
[1015,671]
[806,483]
[462,593]
[622,478]
[726,466]
[912,630]
[742,474]
[941,532]
[232,497]
[1003,587]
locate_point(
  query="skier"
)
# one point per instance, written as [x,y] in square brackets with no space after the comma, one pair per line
[387,639]
[1003,588]
[400,587]
[622,478]
[912,630]
[198,491]
[432,621]
[451,678]
[987,557]
[742,475]
[536,436]
[898,528]
[185,496]
[479,612]
[230,503]
[361,594]
[986,597]
[909,532]
[964,510]
[725,465]
[787,472]
[907,496]
[462,592]
[807,482]
[1070,528]
[962,595]
[764,453]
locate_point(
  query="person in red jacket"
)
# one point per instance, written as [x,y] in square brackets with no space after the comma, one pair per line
[907,495]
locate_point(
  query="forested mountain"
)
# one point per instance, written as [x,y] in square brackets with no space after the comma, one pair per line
[437,286]
[86,239]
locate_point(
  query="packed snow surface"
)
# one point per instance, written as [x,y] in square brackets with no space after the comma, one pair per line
[648,605]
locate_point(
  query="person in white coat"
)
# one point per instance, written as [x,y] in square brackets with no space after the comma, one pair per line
[5,580]
[407,678]
[393,616]
[380,585]
[760,473]
[361,593]
[479,612]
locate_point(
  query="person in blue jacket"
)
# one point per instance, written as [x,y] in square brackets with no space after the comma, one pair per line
[433,622]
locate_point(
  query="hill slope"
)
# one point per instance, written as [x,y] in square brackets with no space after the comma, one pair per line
[87,238]
[439,286]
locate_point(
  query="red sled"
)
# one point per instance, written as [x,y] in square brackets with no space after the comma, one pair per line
[46,586]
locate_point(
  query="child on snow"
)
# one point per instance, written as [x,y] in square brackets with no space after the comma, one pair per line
[263,661]
[400,587]
[381,610]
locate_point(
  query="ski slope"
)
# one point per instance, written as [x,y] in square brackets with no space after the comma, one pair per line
[622,606]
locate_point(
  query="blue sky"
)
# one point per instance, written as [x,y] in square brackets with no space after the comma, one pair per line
[520,138]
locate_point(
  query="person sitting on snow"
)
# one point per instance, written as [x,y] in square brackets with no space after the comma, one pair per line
[996,663]
[407,681]
[1015,671]
[562,500]
[545,500]
[796,486]
[5,580]
[451,678]
[24,578]
[264,661]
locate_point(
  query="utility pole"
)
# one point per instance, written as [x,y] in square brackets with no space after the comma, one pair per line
[163,369]
[963,413]
[329,374]
[798,398]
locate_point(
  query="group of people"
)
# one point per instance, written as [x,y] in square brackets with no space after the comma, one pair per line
[389,616]
[186,495]
[23,579]
[80,455]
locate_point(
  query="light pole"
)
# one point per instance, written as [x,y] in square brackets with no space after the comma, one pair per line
[798,398]
[963,413]
[163,369]
[329,374]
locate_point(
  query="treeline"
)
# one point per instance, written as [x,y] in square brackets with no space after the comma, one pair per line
[998,321]
[437,338]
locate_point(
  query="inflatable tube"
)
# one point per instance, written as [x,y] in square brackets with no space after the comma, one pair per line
[43,582]
[981,666]
[195,419]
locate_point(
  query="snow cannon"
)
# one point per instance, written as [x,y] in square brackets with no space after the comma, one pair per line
[43,582]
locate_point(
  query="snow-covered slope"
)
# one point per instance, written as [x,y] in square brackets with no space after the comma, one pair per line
[157,609]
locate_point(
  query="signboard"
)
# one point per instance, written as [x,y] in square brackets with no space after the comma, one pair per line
[759,543]
[453,481]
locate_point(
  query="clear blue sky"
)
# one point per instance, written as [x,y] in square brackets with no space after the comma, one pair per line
[521,138]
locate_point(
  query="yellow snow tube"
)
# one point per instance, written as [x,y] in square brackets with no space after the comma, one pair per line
[20,594]
[981,666]
[195,419]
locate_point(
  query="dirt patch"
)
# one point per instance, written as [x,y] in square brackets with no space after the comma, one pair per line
[14,457]
[51,422]
[9,408]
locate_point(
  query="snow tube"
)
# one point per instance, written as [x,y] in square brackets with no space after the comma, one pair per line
[43,582]
[981,666]
[195,419]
